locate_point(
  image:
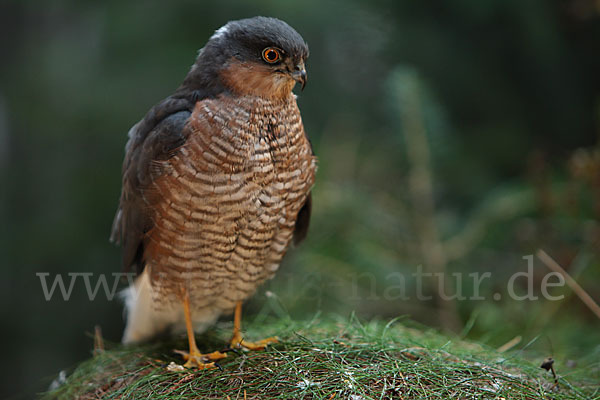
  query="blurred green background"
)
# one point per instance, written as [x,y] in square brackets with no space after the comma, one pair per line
[460,136]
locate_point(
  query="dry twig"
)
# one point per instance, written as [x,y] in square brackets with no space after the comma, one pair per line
[579,291]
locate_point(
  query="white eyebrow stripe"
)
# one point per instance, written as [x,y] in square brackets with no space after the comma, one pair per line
[220,32]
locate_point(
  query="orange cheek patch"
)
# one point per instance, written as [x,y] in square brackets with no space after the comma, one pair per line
[247,79]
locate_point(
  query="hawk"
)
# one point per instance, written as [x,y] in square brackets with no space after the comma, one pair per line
[216,185]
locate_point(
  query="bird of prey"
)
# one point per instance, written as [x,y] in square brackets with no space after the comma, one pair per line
[216,185]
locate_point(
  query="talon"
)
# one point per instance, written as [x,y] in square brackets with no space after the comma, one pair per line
[259,345]
[194,363]
[215,355]
[237,341]
[234,350]
[200,360]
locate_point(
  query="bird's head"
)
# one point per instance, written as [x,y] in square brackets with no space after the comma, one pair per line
[256,56]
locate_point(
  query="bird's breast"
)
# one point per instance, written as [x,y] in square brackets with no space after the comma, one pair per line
[232,196]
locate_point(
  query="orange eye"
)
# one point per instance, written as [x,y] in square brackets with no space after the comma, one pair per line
[271,55]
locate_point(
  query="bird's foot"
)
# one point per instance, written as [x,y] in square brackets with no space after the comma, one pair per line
[238,342]
[195,359]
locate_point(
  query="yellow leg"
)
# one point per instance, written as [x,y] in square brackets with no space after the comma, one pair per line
[238,341]
[194,358]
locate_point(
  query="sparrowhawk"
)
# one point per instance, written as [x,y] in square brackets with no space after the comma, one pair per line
[216,185]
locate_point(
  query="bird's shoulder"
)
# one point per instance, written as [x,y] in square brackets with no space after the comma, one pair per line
[156,137]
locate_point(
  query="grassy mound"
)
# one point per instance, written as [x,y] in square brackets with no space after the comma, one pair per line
[326,359]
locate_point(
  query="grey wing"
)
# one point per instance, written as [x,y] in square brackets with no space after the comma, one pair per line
[303,221]
[303,218]
[145,147]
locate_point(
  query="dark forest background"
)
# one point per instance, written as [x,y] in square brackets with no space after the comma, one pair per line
[459,136]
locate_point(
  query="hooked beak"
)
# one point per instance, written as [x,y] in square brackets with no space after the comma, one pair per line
[299,74]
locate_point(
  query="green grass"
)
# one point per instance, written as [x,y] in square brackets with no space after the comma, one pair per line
[329,359]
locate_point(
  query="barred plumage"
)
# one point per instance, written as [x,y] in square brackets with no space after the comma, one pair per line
[231,197]
[216,184]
